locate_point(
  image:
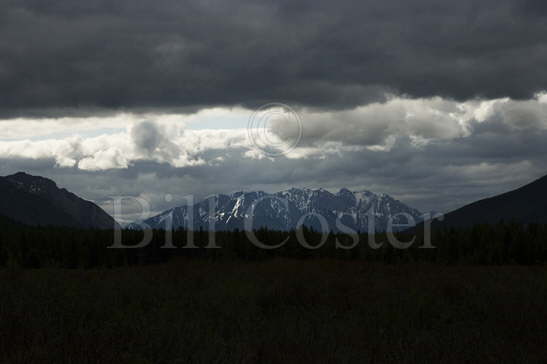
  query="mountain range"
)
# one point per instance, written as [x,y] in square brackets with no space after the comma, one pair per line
[315,208]
[37,201]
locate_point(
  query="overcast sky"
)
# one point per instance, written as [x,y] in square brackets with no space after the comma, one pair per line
[437,103]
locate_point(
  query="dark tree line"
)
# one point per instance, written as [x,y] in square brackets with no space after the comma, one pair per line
[38,247]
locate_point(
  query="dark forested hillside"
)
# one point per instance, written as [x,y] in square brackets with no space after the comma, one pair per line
[527,204]
[38,201]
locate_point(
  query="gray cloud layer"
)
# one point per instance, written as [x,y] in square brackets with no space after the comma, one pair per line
[76,56]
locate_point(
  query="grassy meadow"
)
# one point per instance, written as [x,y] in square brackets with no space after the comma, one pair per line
[274,311]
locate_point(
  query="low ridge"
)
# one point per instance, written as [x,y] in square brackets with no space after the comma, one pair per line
[37,201]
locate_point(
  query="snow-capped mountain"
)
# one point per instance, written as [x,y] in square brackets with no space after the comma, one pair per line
[319,209]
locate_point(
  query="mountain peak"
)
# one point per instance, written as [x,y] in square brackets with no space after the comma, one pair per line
[32,184]
[35,200]
[298,205]
[344,191]
[19,174]
[27,178]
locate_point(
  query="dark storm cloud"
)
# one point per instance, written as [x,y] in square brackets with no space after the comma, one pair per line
[75,56]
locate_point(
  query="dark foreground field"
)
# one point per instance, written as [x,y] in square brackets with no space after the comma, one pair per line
[278,311]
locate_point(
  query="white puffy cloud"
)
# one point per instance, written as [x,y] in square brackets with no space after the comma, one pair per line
[160,141]
[375,126]
[117,142]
